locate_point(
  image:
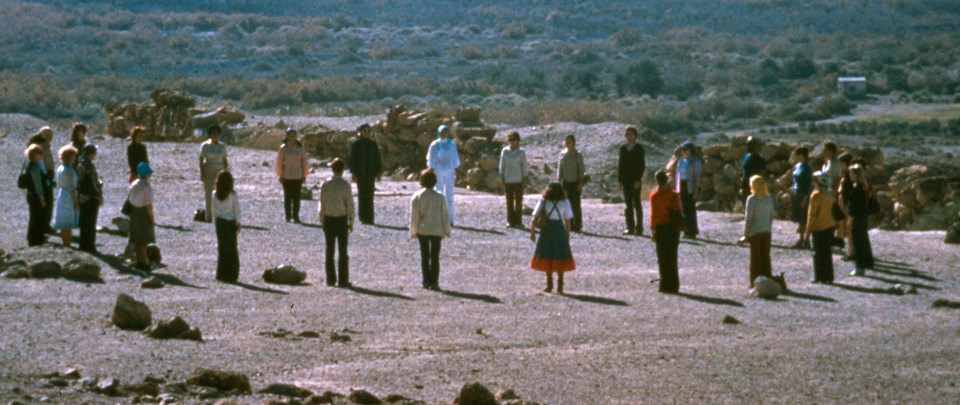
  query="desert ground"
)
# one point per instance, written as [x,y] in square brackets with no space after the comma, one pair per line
[611,339]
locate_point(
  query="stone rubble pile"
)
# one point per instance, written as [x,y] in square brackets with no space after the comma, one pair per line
[173,115]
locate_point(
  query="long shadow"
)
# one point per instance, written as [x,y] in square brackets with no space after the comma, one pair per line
[903,272]
[596,235]
[112,232]
[254,227]
[812,297]
[257,288]
[895,281]
[471,229]
[478,297]
[596,300]
[889,262]
[178,228]
[391,227]
[377,293]
[709,300]
[867,290]
[116,263]
[308,225]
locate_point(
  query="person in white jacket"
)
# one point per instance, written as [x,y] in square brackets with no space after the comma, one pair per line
[429,223]
[443,158]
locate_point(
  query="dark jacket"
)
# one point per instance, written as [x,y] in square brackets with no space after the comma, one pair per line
[40,185]
[632,164]
[136,153]
[363,158]
[89,186]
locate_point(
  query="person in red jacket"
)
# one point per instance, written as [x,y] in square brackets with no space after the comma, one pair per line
[666,221]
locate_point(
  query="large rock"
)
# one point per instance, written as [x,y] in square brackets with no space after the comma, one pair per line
[221,380]
[286,390]
[174,328]
[18,270]
[364,397]
[953,234]
[45,269]
[766,288]
[475,394]
[284,274]
[82,270]
[130,314]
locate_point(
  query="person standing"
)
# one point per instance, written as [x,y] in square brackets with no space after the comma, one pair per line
[291,169]
[513,173]
[665,224]
[800,188]
[335,212]
[843,194]
[553,253]
[443,158]
[832,167]
[365,169]
[226,213]
[688,172]
[859,211]
[67,204]
[90,192]
[78,137]
[571,174]
[50,165]
[37,192]
[429,223]
[753,165]
[630,168]
[136,151]
[140,196]
[820,224]
[213,160]
[757,228]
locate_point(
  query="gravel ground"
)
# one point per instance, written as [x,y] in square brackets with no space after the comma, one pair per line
[611,340]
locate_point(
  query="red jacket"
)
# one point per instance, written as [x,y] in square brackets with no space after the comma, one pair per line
[661,201]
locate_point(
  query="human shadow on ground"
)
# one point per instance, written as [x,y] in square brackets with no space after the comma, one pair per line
[252,287]
[730,244]
[309,225]
[596,235]
[895,281]
[902,272]
[470,296]
[867,290]
[112,232]
[709,300]
[117,263]
[178,228]
[595,300]
[254,227]
[377,293]
[391,227]
[892,263]
[472,229]
[806,296]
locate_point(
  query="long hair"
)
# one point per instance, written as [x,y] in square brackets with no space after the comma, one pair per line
[758,186]
[224,185]
[78,128]
[554,193]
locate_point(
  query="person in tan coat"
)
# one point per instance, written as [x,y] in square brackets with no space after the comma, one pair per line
[335,212]
[429,223]
[820,224]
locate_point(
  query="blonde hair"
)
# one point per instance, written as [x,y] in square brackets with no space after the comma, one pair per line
[34,149]
[758,186]
[67,152]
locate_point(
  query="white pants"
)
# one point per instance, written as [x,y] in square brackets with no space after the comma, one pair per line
[445,184]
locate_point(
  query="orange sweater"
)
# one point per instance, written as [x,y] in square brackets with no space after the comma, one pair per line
[661,201]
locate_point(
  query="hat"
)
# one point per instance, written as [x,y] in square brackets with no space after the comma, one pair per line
[687,145]
[821,177]
[143,169]
[441,128]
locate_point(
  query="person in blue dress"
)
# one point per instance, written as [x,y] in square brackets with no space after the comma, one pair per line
[66,205]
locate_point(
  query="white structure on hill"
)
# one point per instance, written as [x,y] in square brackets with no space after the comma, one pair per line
[852,86]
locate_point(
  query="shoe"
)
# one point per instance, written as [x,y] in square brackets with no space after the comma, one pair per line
[344,285]
[288,219]
[628,232]
[425,286]
[435,287]
[806,245]
[331,284]
[296,220]
[857,272]
[846,258]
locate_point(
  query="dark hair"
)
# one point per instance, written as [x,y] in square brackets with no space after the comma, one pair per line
[513,135]
[830,146]
[428,178]
[77,129]
[37,140]
[753,144]
[661,177]
[139,129]
[633,130]
[337,165]
[554,193]
[214,129]
[87,150]
[845,158]
[224,185]
[363,126]
[802,151]
[570,137]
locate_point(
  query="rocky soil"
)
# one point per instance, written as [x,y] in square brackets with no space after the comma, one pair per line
[612,339]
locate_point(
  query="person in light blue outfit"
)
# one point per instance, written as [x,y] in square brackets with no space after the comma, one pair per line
[66,211]
[444,159]
[688,185]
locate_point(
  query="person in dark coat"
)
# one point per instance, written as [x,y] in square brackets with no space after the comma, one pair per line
[753,165]
[136,151]
[859,210]
[90,192]
[37,195]
[630,168]
[365,163]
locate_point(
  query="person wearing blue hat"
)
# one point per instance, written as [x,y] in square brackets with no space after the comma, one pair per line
[444,159]
[139,206]
[687,178]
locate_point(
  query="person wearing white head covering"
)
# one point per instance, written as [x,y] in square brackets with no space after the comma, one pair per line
[443,158]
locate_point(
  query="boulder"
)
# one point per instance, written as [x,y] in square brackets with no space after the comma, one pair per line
[476,145]
[766,288]
[952,237]
[476,178]
[45,269]
[286,390]
[174,328]
[16,271]
[152,282]
[363,397]
[493,181]
[475,394]
[81,269]
[489,163]
[468,113]
[221,380]
[130,314]
[284,274]
[108,386]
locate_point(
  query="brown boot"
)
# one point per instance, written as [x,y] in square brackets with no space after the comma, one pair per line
[559,283]
[549,283]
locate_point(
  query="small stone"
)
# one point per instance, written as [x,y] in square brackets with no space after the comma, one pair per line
[88,383]
[364,397]
[57,382]
[71,373]
[729,320]
[221,380]
[81,270]
[169,328]
[17,271]
[130,314]
[108,386]
[475,394]
[152,282]
[897,289]
[337,337]
[766,288]
[507,395]
[309,334]
[287,390]
[144,388]
[45,269]
[284,274]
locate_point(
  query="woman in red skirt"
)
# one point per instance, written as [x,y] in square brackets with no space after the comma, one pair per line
[553,248]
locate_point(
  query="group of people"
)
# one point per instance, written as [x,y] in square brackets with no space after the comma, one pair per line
[828,205]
